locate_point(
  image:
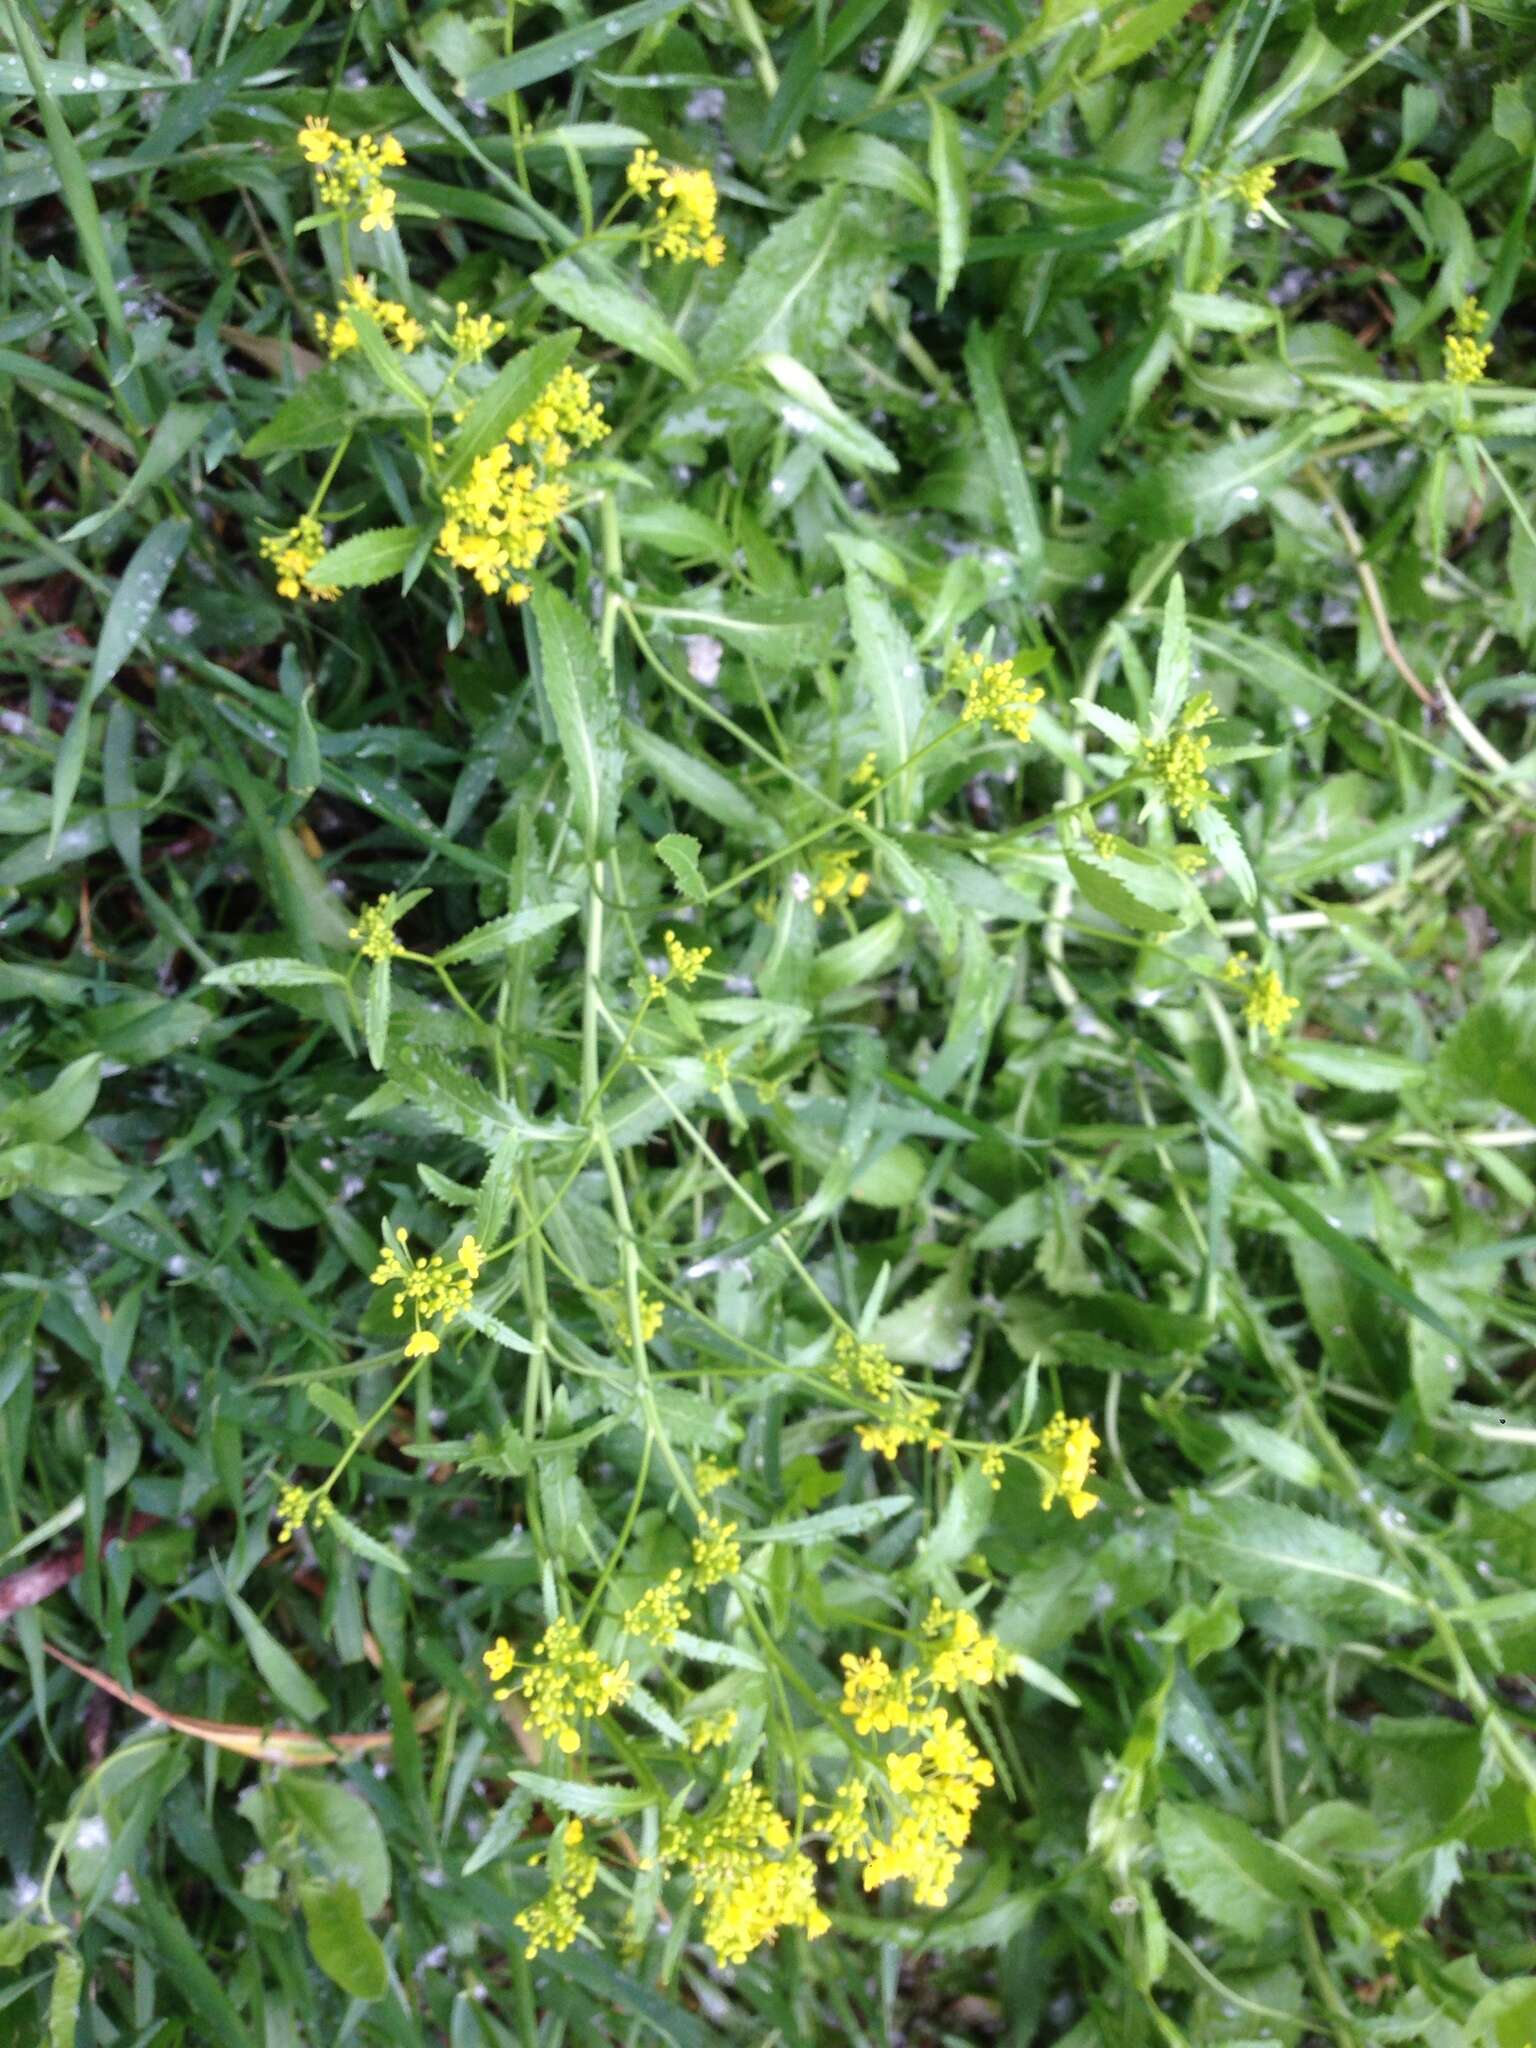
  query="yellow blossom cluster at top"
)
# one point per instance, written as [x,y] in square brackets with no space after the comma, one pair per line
[931,1782]
[555,1921]
[350,174]
[1177,763]
[435,1289]
[995,694]
[748,1881]
[1266,1005]
[716,1553]
[1466,355]
[293,554]
[374,931]
[709,1475]
[838,878]
[500,518]
[1254,186]
[686,962]
[360,294]
[659,1613]
[686,204]
[296,1506]
[474,334]
[1065,1451]
[906,1417]
[563,1684]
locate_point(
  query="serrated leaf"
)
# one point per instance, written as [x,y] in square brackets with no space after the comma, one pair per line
[586,713]
[1113,892]
[1175,661]
[617,313]
[361,1544]
[852,1518]
[516,928]
[367,558]
[680,852]
[1225,1871]
[1217,835]
[587,1802]
[1259,1547]
[946,167]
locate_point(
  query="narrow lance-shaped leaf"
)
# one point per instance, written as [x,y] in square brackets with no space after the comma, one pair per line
[586,713]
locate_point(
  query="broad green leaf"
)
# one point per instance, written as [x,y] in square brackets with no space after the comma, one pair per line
[617,313]
[680,851]
[581,697]
[341,1829]
[1226,1871]
[342,1942]
[284,1679]
[1261,1548]
[1132,887]
[1491,1055]
[273,973]
[367,558]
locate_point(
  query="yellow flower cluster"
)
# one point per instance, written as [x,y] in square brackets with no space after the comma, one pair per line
[1066,1449]
[1466,356]
[686,204]
[498,1661]
[837,877]
[716,1553]
[738,1869]
[350,175]
[361,294]
[709,1475]
[296,1506]
[1254,185]
[499,520]
[1266,1005]
[1177,764]
[374,931]
[293,554]
[555,1921]
[474,334]
[659,1613]
[686,962]
[933,1789]
[433,1287]
[995,694]
[653,1314]
[566,1683]
[861,1367]
[913,1422]
[713,1731]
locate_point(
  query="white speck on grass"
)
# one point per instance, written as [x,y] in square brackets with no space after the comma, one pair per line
[704,654]
[93,1833]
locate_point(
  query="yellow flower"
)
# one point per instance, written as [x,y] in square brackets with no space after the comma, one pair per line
[471,1257]
[847,1825]
[991,1462]
[995,694]
[375,934]
[716,1553]
[1268,1007]
[474,334]
[659,1613]
[567,1683]
[318,139]
[877,1699]
[939,1788]
[555,1921]
[349,175]
[957,1652]
[653,1314]
[293,554]
[837,876]
[687,962]
[1177,764]
[498,1661]
[1254,185]
[1467,358]
[709,1476]
[686,205]
[911,1423]
[866,1368]
[422,1344]
[748,1888]
[430,1287]
[359,294]
[296,1506]
[712,1731]
[1067,1447]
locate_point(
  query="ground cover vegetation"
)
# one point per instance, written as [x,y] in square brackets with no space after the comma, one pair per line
[769,1060]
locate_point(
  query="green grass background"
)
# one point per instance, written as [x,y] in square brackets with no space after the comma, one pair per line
[1271,1775]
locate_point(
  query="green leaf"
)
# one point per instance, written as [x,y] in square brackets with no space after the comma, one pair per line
[801,289]
[1491,1055]
[1258,1547]
[273,973]
[282,1676]
[1132,887]
[376,1012]
[1007,464]
[586,713]
[334,1405]
[18,1939]
[64,1999]
[516,928]
[569,50]
[890,678]
[139,590]
[506,398]
[1215,832]
[587,1802]
[366,558]
[342,1942]
[342,1830]
[852,1518]
[315,416]
[1225,1871]
[617,313]
[946,167]
[1175,661]
[680,852]
[361,1544]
